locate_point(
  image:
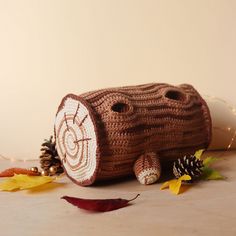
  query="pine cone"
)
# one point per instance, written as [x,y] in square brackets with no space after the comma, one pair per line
[49,159]
[188,165]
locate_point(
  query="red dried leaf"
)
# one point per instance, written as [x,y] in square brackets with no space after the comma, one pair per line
[99,205]
[10,172]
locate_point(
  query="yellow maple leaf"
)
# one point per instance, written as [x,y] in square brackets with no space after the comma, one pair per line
[175,184]
[24,182]
[198,154]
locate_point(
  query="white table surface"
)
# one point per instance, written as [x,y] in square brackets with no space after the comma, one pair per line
[208,208]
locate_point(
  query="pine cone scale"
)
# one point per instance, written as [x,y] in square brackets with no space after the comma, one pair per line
[49,157]
[188,165]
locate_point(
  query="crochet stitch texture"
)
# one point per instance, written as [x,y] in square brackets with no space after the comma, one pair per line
[101,134]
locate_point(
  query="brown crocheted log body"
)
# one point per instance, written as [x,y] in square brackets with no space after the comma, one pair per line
[101,134]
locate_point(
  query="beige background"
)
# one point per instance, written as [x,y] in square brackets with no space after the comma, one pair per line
[51,47]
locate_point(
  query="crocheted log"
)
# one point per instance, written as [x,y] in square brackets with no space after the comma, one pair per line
[100,134]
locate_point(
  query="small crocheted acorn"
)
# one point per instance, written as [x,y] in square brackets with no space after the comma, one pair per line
[188,165]
[147,168]
[49,160]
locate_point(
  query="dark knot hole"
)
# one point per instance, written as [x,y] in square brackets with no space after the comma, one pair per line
[175,95]
[120,107]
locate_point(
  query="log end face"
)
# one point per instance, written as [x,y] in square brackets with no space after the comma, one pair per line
[77,140]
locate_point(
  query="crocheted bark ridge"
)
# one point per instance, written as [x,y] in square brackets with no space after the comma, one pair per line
[101,134]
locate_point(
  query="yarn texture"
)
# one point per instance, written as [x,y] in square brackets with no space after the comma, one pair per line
[101,134]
